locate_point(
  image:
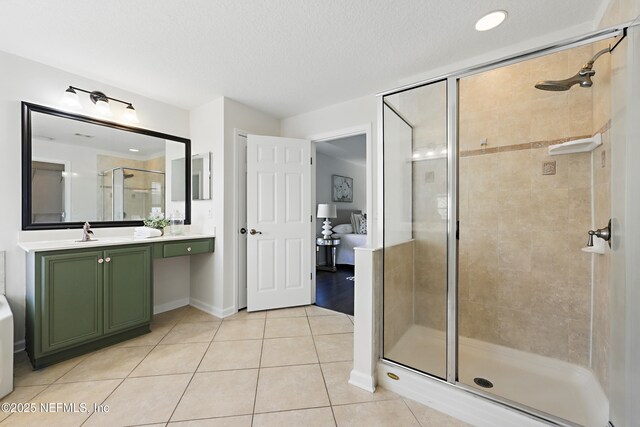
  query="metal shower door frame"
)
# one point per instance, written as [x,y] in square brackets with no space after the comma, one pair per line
[452,88]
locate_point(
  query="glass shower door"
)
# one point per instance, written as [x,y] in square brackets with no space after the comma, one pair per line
[415,228]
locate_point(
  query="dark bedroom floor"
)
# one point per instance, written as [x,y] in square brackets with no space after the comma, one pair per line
[334,290]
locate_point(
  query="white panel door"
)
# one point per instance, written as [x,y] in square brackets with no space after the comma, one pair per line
[279,222]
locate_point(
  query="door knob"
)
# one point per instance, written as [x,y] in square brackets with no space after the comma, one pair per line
[243,230]
[252,232]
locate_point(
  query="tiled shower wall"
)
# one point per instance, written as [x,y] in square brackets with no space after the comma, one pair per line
[398,292]
[524,283]
[139,181]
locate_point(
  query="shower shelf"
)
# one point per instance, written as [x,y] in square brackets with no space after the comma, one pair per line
[576,146]
[597,248]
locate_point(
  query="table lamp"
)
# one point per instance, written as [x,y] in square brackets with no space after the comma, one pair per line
[327,211]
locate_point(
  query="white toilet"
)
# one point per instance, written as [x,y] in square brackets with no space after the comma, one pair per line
[6,336]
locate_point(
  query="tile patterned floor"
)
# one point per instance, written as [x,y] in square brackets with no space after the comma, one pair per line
[284,367]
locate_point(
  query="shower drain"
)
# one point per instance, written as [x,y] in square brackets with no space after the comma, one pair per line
[483,382]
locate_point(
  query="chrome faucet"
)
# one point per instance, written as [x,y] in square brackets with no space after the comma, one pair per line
[86,232]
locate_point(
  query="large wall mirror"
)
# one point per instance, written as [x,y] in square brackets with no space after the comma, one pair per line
[76,169]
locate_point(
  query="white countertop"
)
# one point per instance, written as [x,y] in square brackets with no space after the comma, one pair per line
[54,245]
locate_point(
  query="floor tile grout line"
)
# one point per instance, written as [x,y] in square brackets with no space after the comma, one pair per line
[255,395]
[193,374]
[324,380]
[104,400]
[411,411]
[130,372]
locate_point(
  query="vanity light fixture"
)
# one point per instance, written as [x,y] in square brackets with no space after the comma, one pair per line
[101,101]
[134,150]
[491,20]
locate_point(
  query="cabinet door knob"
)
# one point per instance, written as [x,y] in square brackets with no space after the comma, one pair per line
[107,259]
[100,260]
[189,249]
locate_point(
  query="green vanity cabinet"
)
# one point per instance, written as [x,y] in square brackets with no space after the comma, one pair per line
[127,288]
[72,289]
[80,299]
[86,299]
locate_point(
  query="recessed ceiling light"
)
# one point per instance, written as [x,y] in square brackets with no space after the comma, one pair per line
[133,150]
[491,20]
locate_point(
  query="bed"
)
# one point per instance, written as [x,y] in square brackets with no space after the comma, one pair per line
[344,252]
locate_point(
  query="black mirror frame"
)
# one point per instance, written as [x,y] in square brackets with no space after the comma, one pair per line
[27,109]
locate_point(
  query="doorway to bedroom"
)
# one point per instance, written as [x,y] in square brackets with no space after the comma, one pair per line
[341,219]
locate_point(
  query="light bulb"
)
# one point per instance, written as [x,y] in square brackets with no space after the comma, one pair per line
[70,98]
[130,114]
[103,108]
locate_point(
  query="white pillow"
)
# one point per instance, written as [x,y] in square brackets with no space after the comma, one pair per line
[343,229]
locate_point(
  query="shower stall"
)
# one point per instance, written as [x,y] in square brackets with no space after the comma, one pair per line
[488,282]
[129,194]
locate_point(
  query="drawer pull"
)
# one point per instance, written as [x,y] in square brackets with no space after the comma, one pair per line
[189,249]
[107,259]
[100,260]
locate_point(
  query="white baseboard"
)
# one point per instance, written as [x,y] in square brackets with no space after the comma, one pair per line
[172,305]
[208,308]
[229,311]
[363,381]
[19,346]
[453,401]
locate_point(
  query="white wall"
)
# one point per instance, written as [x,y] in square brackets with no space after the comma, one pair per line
[326,167]
[24,80]
[345,119]
[213,282]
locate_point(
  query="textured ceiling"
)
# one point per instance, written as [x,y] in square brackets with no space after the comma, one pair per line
[281,56]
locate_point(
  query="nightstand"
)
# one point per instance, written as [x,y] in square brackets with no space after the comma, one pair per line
[330,246]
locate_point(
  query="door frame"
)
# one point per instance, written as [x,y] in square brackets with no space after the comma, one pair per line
[364,129]
[237,134]
[67,180]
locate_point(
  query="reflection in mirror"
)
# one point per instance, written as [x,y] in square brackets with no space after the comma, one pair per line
[81,169]
[200,177]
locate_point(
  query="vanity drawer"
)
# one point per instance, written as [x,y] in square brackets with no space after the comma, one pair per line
[187,247]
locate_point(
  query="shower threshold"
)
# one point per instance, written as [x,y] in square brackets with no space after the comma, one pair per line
[559,388]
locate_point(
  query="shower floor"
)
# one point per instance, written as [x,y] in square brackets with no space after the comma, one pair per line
[559,388]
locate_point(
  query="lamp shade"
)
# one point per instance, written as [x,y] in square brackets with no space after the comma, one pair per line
[70,98]
[327,211]
[130,114]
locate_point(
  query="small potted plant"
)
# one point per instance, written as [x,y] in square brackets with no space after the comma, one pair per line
[158,222]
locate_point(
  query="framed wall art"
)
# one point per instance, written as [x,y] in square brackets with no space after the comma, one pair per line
[342,188]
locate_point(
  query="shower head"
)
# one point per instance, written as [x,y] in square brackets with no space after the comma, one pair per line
[128,175]
[582,78]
